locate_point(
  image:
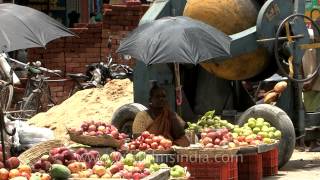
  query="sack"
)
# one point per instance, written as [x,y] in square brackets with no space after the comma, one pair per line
[31,134]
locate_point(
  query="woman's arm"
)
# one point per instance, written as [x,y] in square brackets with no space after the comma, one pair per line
[183,141]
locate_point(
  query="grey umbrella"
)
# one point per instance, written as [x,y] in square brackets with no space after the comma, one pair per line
[177,39]
[23,27]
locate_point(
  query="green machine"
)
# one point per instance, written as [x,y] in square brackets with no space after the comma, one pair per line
[265,34]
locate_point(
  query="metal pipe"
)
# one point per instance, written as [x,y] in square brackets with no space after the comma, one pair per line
[280,38]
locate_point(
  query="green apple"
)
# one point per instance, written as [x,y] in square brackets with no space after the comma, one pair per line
[129,159]
[210,122]
[272,129]
[259,124]
[261,120]
[251,124]
[140,156]
[267,140]
[108,163]
[271,135]
[234,135]
[154,167]
[104,157]
[237,130]
[252,120]
[266,124]
[256,130]
[277,134]
[177,171]
[163,165]
[265,129]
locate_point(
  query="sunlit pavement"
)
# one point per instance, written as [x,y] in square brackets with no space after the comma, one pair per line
[302,165]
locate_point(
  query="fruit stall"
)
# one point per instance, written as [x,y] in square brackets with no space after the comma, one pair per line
[219,150]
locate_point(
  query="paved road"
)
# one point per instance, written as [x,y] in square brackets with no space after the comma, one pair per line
[302,166]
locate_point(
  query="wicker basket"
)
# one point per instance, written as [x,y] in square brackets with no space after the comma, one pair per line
[33,154]
[96,141]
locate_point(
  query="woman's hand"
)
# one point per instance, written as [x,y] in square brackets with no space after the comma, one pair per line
[183,141]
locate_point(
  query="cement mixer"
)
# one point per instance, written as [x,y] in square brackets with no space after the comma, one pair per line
[264,35]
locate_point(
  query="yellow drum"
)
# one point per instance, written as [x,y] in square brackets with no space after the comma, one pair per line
[230,16]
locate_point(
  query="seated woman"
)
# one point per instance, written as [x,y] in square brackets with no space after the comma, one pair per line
[160,120]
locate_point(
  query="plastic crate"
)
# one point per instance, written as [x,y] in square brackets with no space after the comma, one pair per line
[211,169]
[233,169]
[250,167]
[270,162]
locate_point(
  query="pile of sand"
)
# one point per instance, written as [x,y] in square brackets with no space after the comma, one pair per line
[96,104]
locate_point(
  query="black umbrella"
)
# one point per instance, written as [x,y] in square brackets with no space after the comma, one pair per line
[177,39]
[23,27]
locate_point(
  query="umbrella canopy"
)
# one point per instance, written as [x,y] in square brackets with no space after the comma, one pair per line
[23,27]
[177,39]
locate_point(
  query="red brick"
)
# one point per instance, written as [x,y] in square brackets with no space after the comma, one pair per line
[56,89]
[73,64]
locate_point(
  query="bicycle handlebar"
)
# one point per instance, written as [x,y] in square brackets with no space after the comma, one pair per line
[27,66]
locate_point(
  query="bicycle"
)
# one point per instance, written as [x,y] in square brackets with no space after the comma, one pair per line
[37,91]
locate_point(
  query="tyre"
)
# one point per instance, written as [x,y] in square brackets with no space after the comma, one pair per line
[124,116]
[31,105]
[280,120]
[6,97]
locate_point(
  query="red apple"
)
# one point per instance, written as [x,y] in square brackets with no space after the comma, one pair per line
[212,135]
[154,145]
[115,134]
[99,133]
[145,134]
[156,139]
[148,141]
[206,140]
[115,156]
[132,147]
[114,169]
[54,151]
[143,146]
[81,151]
[84,127]
[92,128]
[209,145]
[161,148]
[203,135]
[217,141]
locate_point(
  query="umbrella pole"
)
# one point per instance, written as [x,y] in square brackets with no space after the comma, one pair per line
[178,88]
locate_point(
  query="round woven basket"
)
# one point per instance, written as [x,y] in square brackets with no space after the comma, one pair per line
[96,141]
[33,154]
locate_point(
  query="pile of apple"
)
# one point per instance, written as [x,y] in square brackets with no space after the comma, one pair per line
[217,138]
[147,141]
[98,128]
[65,156]
[115,166]
[22,172]
[256,131]
[209,120]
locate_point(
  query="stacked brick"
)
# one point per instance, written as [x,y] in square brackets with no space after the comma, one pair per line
[72,54]
[118,21]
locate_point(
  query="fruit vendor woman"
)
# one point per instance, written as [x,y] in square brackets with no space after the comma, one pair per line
[160,120]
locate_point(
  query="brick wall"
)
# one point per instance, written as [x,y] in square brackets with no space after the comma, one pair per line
[71,54]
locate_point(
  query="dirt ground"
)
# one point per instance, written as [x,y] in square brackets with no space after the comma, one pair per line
[302,165]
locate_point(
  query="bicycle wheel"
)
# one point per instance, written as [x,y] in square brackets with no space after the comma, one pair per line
[6,96]
[31,106]
[74,90]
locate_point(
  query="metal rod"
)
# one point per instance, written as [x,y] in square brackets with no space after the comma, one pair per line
[10,112]
[280,38]
[2,126]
